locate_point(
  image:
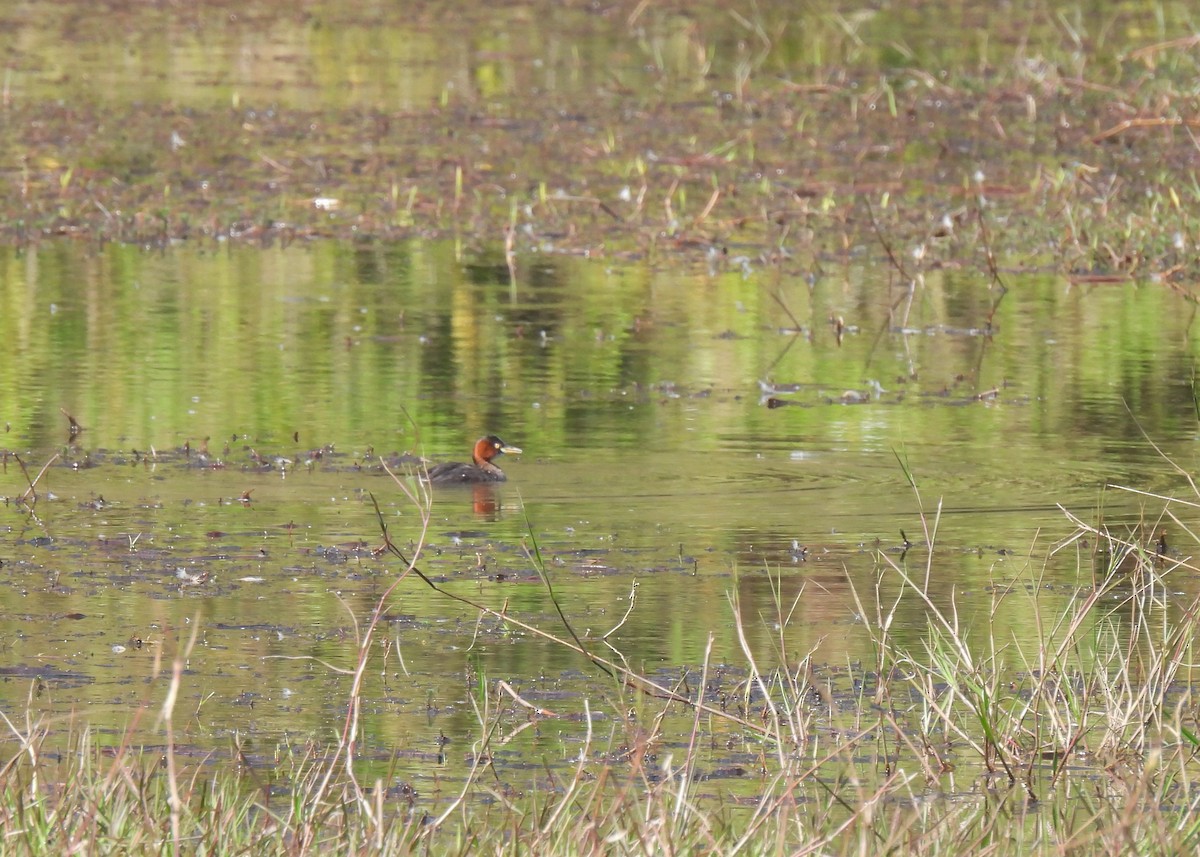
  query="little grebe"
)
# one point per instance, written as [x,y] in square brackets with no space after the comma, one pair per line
[482,470]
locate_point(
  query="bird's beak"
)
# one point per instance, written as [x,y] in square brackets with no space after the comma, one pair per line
[511,450]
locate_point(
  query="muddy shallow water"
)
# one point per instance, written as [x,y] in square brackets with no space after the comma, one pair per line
[237,406]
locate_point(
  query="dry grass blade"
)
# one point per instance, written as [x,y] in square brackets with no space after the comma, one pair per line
[30,494]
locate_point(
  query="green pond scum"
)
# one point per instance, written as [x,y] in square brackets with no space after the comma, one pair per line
[846,358]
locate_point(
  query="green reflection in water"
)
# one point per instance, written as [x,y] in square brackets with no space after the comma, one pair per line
[592,366]
[650,457]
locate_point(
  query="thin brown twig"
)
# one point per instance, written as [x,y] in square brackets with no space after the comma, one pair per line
[712,203]
[1144,122]
[887,247]
[1183,43]
[32,492]
[795,324]
[988,254]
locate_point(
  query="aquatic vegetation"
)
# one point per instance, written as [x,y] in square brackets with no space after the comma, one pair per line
[797,137]
[1079,741]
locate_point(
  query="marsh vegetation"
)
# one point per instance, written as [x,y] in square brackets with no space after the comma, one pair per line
[852,352]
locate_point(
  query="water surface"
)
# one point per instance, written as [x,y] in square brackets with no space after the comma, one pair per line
[236,404]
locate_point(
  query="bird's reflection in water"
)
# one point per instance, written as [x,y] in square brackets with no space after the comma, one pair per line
[484,501]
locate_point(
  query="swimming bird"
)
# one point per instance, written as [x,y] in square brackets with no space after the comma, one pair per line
[480,470]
